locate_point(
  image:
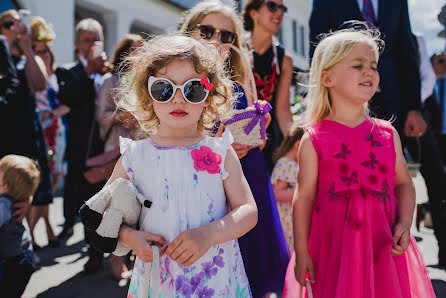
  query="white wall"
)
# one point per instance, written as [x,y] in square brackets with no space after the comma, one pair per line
[157,16]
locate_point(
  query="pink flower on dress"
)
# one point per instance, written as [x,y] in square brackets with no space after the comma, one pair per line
[206,160]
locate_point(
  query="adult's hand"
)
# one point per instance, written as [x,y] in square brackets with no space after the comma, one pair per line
[415,126]
[95,64]
[241,150]
[21,209]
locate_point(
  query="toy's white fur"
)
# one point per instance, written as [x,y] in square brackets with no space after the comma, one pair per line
[123,203]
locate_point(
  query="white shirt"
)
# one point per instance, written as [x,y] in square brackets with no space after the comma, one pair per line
[375,6]
[427,74]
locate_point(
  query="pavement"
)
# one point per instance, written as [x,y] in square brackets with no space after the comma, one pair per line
[61,273]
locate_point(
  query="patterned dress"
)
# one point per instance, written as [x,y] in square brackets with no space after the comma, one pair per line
[354,212]
[286,170]
[184,198]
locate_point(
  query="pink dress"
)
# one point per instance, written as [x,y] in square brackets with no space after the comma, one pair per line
[353,215]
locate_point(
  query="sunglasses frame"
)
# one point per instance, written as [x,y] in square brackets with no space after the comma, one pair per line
[274,7]
[153,79]
[9,27]
[219,32]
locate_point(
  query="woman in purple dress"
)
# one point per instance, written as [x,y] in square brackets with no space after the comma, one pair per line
[264,248]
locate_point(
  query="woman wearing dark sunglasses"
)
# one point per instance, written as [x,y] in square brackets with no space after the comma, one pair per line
[273,67]
[264,249]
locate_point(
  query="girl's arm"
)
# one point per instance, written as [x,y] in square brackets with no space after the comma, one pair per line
[405,194]
[302,206]
[283,110]
[139,241]
[283,191]
[190,245]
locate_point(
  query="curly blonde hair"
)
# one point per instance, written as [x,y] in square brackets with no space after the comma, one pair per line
[157,53]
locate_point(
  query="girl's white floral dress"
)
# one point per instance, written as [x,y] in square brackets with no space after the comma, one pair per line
[185,185]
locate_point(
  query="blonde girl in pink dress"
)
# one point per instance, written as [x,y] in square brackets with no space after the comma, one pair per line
[354,205]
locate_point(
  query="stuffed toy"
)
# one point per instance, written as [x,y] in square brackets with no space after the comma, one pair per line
[123,203]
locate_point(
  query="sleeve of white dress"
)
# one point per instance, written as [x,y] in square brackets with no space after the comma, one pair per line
[227,140]
[126,147]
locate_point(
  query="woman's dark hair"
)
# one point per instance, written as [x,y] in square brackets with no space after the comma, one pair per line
[123,49]
[295,133]
[248,22]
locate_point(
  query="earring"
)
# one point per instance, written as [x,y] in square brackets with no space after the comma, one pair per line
[256,22]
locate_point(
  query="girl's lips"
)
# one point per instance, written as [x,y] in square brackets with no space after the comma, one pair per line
[178,113]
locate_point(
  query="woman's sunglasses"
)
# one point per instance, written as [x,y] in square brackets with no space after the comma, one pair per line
[225,36]
[7,25]
[273,7]
[194,91]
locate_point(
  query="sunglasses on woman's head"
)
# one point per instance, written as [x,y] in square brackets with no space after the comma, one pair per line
[273,7]
[194,91]
[225,36]
[7,25]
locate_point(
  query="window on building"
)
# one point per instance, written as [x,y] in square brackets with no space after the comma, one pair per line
[302,41]
[294,36]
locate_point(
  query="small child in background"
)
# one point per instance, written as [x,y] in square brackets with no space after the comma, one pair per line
[19,178]
[284,178]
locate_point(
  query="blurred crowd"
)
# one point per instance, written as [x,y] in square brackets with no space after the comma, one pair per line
[65,117]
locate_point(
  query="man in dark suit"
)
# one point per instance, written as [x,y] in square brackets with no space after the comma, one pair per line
[77,89]
[398,95]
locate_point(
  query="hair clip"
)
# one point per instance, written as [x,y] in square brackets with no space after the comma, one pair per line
[205,81]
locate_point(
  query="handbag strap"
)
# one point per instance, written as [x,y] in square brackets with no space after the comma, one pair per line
[90,138]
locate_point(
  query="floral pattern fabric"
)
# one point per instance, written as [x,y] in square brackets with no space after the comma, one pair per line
[183,197]
[286,170]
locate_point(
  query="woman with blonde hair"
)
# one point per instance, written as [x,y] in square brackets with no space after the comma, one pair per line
[216,23]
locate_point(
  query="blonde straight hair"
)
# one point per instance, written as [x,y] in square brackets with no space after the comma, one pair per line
[332,49]
[196,14]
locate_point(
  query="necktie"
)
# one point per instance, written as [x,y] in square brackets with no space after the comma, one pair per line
[441,99]
[368,13]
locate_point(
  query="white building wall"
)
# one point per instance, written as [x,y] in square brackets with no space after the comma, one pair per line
[157,16]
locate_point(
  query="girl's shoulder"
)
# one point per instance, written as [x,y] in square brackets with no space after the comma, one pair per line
[220,144]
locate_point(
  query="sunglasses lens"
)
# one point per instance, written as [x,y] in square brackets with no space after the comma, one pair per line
[272,6]
[227,37]
[207,32]
[195,92]
[161,90]
[8,25]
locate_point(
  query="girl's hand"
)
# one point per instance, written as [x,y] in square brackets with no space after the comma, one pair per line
[241,150]
[304,264]
[189,246]
[401,239]
[141,243]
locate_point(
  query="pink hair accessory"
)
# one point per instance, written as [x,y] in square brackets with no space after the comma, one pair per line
[205,81]
[206,160]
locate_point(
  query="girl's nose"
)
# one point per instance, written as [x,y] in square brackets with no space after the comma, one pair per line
[178,97]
